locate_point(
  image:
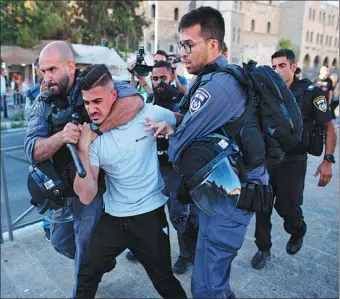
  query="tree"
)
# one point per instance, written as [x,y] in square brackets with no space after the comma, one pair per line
[25,23]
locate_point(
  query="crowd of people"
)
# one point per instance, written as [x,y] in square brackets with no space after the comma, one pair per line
[173,150]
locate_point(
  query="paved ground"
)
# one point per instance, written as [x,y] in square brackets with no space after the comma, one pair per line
[30,268]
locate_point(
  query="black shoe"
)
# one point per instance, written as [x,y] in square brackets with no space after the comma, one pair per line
[131,257]
[232,296]
[259,259]
[294,245]
[47,234]
[181,266]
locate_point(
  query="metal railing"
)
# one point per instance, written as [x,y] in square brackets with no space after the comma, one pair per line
[13,225]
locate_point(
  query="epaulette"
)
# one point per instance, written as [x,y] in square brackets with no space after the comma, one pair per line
[311,87]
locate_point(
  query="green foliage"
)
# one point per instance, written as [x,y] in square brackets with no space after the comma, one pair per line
[19,124]
[25,23]
[18,115]
[285,44]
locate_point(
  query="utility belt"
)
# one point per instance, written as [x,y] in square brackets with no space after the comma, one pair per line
[312,141]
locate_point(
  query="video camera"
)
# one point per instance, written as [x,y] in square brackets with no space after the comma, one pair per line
[141,69]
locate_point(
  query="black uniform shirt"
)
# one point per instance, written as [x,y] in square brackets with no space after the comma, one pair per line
[314,104]
[325,84]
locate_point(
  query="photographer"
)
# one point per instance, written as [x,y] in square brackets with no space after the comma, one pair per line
[181,82]
[141,83]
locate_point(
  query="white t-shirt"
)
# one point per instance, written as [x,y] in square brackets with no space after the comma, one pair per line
[128,155]
[3,85]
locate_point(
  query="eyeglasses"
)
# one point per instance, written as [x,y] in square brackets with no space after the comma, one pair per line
[188,47]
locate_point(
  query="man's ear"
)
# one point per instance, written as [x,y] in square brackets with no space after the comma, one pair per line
[294,67]
[71,67]
[114,94]
[172,78]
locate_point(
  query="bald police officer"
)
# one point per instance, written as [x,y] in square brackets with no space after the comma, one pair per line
[288,180]
[49,130]
[217,100]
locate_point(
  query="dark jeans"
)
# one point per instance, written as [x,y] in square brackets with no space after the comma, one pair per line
[288,182]
[146,235]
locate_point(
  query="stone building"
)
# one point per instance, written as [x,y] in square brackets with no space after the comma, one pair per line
[313,29]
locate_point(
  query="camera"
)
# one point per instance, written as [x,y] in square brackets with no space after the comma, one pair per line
[141,69]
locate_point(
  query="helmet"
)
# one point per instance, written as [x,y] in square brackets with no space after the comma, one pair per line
[209,163]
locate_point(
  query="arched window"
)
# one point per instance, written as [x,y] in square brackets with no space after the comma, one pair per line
[329,19]
[268,27]
[311,37]
[325,62]
[332,20]
[310,14]
[240,5]
[317,38]
[234,34]
[306,61]
[320,16]
[153,11]
[252,28]
[334,63]
[171,49]
[313,14]
[176,14]
[235,5]
[307,36]
[270,2]
[324,18]
[238,35]
[321,39]
[330,41]
[316,62]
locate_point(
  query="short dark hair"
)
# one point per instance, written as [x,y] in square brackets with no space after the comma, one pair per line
[95,75]
[224,47]
[163,53]
[210,20]
[298,71]
[289,54]
[165,64]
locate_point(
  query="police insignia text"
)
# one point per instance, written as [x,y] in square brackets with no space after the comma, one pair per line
[199,99]
[320,103]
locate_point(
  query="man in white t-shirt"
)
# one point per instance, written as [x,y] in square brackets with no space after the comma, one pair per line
[134,215]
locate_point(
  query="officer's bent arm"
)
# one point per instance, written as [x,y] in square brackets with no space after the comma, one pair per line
[45,148]
[128,107]
[181,87]
[330,138]
[86,188]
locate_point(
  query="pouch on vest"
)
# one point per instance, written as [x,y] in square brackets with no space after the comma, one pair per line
[316,140]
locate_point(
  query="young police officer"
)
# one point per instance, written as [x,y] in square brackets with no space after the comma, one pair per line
[49,130]
[219,99]
[288,180]
[134,215]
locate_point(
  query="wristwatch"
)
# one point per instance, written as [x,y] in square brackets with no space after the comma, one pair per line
[95,129]
[329,158]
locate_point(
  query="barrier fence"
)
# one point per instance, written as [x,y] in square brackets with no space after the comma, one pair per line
[13,225]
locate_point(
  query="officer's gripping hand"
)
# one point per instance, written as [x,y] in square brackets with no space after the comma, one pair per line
[162,128]
[325,171]
[70,133]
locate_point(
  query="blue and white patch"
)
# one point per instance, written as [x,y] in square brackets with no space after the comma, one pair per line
[199,99]
[321,103]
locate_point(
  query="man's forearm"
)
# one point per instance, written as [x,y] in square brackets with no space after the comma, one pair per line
[123,111]
[330,138]
[132,80]
[86,188]
[181,87]
[147,88]
[45,148]
[179,118]
[330,95]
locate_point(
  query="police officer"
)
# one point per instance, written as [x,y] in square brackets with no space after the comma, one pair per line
[288,180]
[49,130]
[215,98]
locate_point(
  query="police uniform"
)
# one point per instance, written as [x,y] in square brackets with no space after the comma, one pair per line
[218,100]
[70,238]
[288,180]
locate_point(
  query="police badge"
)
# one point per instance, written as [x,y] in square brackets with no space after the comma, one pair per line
[320,103]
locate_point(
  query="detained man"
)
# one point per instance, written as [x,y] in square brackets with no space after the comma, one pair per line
[134,215]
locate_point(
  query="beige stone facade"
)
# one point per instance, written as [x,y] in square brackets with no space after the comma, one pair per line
[169,14]
[313,29]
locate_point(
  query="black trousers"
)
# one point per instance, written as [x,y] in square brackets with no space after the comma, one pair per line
[147,236]
[288,182]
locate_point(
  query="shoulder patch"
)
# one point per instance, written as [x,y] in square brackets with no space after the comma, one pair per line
[199,99]
[320,103]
